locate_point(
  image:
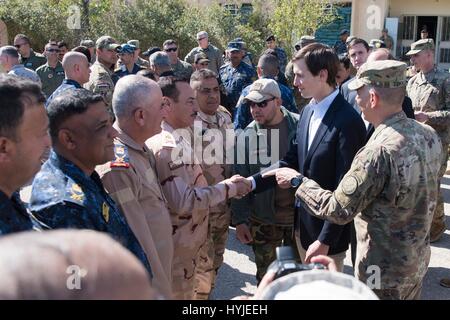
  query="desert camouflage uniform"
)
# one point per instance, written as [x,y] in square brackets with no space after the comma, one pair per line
[131,181]
[391,192]
[101,82]
[189,198]
[430,93]
[220,215]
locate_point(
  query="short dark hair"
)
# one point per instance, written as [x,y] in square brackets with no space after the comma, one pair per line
[68,104]
[270,38]
[203,74]
[345,60]
[147,73]
[169,42]
[269,65]
[23,37]
[358,41]
[62,44]
[169,88]
[318,57]
[84,50]
[15,95]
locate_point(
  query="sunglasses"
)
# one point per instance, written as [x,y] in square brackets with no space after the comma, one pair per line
[53,50]
[171,50]
[261,104]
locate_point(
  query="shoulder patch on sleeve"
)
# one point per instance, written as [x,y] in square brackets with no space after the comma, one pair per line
[122,159]
[349,185]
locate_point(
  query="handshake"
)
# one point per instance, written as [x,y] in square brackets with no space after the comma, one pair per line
[239,186]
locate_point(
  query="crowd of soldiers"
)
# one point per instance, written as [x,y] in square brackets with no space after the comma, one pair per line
[106,136]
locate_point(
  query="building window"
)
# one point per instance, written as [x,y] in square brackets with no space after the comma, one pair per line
[445,55]
[445,29]
[246,9]
[408,28]
[232,8]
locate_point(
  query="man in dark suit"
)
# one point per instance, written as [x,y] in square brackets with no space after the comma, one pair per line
[329,134]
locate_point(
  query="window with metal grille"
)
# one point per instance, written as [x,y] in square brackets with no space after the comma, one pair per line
[445,29]
[408,28]
[232,8]
[444,56]
[246,8]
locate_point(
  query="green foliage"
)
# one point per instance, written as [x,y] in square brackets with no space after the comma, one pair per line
[294,18]
[153,21]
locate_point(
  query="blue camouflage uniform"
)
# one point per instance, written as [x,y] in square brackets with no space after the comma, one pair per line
[234,80]
[122,71]
[282,58]
[14,217]
[67,84]
[243,116]
[62,196]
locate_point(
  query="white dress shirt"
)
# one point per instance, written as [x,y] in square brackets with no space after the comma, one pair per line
[319,111]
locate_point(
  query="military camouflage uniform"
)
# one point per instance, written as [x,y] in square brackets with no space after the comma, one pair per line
[214,56]
[282,58]
[20,71]
[51,78]
[270,225]
[391,192]
[182,69]
[220,215]
[189,198]
[131,181]
[430,93]
[234,80]
[101,81]
[62,196]
[34,61]
[67,84]
[14,217]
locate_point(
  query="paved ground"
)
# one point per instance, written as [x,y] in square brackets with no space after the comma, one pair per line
[236,276]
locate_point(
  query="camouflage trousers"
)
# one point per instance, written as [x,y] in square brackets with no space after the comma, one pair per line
[211,254]
[411,293]
[266,238]
[438,224]
[183,279]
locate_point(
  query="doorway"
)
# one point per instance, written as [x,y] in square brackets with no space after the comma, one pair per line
[429,23]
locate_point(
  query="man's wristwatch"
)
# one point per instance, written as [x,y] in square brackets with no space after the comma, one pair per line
[296,181]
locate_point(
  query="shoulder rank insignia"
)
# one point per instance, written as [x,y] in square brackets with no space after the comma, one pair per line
[122,160]
[105,212]
[76,193]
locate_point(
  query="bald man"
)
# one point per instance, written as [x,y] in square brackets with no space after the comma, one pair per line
[385,54]
[70,264]
[77,71]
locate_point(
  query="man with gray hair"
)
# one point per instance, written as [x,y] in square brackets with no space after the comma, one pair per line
[77,71]
[9,60]
[214,55]
[160,64]
[131,178]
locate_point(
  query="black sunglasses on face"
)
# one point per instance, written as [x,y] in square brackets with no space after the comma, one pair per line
[171,50]
[53,50]
[261,104]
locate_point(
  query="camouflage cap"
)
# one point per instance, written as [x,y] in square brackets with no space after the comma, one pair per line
[263,89]
[304,41]
[382,73]
[126,48]
[134,43]
[107,42]
[87,43]
[422,44]
[200,58]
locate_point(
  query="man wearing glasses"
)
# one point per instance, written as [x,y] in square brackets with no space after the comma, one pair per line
[214,55]
[101,78]
[51,73]
[28,57]
[126,61]
[180,68]
[265,219]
